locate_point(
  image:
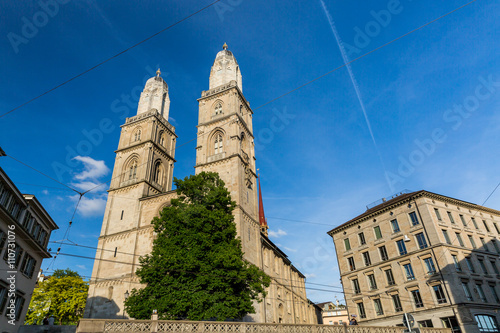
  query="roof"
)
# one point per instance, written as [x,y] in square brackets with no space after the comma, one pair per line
[406,197]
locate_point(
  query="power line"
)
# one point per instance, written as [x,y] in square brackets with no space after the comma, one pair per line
[110,58]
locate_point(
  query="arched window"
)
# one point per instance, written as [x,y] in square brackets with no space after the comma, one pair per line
[218,108]
[132,173]
[137,135]
[218,143]
[158,173]
[486,323]
[161,139]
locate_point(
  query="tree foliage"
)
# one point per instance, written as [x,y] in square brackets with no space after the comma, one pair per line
[196,269]
[63,295]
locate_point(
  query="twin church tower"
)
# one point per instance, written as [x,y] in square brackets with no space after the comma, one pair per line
[141,187]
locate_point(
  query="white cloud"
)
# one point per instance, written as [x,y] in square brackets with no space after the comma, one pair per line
[289,249]
[93,169]
[277,234]
[81,266]
[85,186]
[45,192]
[309,276]
[91,206]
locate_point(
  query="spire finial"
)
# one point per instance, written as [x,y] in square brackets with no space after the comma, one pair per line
[158,72]
[224,46]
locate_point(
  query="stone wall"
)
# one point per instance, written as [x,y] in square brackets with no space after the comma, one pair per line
[101,326]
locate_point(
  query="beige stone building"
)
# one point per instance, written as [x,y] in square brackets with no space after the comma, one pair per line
[426,254]
[142,185]
[25,229]
[334,313]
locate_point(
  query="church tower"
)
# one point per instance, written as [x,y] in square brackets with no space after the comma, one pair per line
[226,145]
[143,168]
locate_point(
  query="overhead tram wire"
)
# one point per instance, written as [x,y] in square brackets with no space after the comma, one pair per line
[110,58]
[271,101]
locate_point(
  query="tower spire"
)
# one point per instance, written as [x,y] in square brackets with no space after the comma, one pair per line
[262,217]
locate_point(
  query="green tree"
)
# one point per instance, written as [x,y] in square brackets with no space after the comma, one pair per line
[63,295]
[196,269]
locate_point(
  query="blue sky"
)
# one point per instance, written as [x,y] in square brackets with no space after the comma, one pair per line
[431,99]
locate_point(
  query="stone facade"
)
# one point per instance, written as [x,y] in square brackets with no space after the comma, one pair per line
[426,254]
[142,185]
[25,224]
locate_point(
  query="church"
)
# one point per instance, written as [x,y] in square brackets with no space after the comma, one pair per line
[141,187]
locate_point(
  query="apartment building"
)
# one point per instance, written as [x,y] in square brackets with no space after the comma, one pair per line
[422,253]
[334,314]
[25,229]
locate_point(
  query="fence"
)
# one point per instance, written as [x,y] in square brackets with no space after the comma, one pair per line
[132,326]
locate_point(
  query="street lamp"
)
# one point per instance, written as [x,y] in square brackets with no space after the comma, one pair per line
[126,295]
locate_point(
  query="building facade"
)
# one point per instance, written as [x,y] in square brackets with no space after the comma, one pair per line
[334,314]
[25,229]
[426,254]
[141,187]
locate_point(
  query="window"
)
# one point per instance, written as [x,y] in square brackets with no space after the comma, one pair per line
[218,108]
[452,220]
[350,262]
[401,247]
[438,215]
[17,257]
[486,323]
[347,244]
[19,303]
[366,258]
[483,243]
[429,264]
[395,225]
[467,292]
[371,281]
[378,233]
[422,243]
[3,239]
[463,220]
[397,303]
[438,291]
[483,266]
[451,322]
[409,272]
[495,245]
[158,173]
[362,240]
[474,222]
[390,277]
[496,228]
[486,226]
[494,293]
[218,143]
[456,263]
[383,253]
[361,310]
[161,138]
[480,291]
[137,135]
[28,266]
[3,297]
[470,265]
[355,286]
[446,236]
[132,174]
[417,298]
[459,238]
[425,323]
[414,219]
[494,265]
[378,307]
[472,243]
